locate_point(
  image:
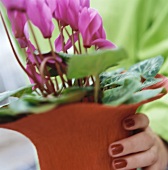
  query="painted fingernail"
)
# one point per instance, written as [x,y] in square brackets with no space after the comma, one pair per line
[120,163]
[116,149]
[129,123]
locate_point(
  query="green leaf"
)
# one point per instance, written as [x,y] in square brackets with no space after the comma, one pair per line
[119,95]
[65,57]
[109,74]
[67,96]
[144,95]
[16,93]
[119,79]
[95,63]
[20,106]
[23,90]
[35,99]
[6,111]
[149,82]
[148,68]
[71,97]
[76,88]
[37,104]
[7,115]
[4,105]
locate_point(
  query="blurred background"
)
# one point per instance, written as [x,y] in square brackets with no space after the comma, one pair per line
[140,26]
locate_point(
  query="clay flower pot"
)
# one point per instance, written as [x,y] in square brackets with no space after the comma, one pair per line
[77,136]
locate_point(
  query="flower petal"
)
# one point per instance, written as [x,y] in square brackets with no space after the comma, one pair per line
[18,5]
[84,21]
[40,15]
[103,44]
[18,21]
[67,12]
[58,43]
[90,26]
[32,71]
[85,3]
[51,4]
[22,42]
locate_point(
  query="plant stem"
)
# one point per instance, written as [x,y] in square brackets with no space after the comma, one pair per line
[73,42]
[56,64]
[86,50]
[40,86]
[79,44]
[34,37]
[13,49]
[41,56]
[42,70]
[32,53]
[62,35]
[76,50]
[57,85]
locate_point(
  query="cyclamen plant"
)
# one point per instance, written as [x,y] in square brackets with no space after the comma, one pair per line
[83,21]
[60,77]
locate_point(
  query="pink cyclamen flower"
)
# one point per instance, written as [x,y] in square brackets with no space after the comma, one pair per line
[40,15]
[19,27]
[22,41]
[31,66]
[18,5]
[67,11]
[103,44]
[31,69]
[16,12]
[18,21]
[90,26]
[84,3]
[52,5]
[37,11]
[60,41]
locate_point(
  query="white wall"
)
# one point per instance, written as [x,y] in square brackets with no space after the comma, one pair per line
[11,75]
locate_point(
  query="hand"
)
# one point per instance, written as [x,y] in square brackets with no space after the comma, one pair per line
[144,149]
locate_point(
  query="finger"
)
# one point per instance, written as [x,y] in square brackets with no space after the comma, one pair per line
[137,121]
[161,163]
[140,142]
[143,159]
[153,167]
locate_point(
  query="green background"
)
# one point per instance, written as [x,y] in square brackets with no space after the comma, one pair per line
[141,27]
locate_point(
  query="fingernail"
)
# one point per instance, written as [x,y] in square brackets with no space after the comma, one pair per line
[120,163]
[116,149]
[129,123]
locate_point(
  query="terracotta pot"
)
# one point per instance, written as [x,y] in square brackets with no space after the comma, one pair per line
[76,136]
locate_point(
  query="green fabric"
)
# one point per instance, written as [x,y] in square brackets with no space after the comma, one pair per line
[141,27]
